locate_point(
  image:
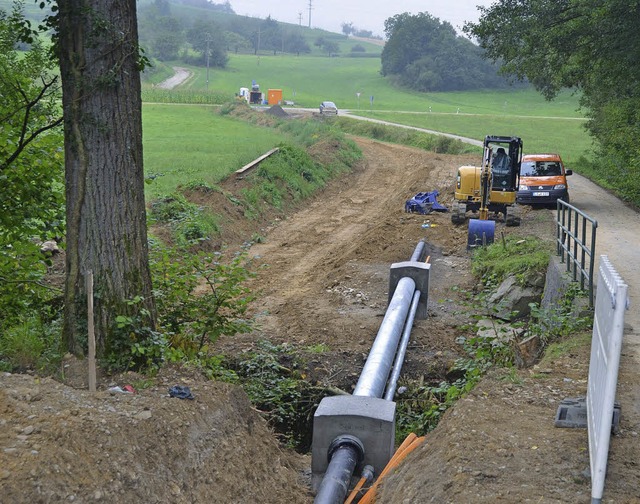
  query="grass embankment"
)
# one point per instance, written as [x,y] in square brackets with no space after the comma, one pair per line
[403,136]
[564,135]
[192,149]
[193,144]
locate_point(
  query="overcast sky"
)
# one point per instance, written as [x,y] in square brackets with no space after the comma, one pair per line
[364,14]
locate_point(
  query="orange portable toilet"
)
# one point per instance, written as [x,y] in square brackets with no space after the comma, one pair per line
[274,96]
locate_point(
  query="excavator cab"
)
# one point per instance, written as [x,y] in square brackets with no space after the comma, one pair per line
[489,189]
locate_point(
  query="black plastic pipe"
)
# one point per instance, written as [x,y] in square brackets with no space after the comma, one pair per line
[345,453]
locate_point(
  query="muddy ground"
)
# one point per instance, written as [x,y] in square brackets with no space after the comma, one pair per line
[325,286]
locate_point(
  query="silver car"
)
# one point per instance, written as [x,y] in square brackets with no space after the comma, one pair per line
[328,107]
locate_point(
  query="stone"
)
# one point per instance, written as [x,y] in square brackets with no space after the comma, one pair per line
[512,299]
[143,415]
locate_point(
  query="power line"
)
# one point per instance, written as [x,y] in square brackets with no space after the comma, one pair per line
[300,18]
[310,9]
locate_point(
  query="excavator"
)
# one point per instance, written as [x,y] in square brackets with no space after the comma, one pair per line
[489,189]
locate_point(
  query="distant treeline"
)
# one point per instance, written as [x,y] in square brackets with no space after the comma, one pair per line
[425,54]
[194,29]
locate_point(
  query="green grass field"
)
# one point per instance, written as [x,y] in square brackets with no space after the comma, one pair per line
[555,126]
[192,143]
[308,80]
[564,135]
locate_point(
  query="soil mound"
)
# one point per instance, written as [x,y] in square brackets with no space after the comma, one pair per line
[62,444]
[277,111]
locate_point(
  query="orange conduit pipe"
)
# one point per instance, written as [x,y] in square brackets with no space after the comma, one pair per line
[401,453]
[367,477]
[405,444]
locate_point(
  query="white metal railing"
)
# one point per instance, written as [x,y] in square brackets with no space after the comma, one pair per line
[606,345]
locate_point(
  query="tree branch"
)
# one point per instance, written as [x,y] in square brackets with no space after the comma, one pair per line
[25,137]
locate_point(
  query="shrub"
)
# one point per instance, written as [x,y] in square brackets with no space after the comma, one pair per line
[190,223]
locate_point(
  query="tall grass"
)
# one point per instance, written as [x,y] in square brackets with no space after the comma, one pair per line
[293,175]
[188,96]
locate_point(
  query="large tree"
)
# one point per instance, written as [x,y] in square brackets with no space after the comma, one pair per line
[208,36]
[427,55]
[106,220]
[588,45]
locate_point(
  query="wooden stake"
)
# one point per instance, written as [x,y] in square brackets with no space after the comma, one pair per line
[92,335]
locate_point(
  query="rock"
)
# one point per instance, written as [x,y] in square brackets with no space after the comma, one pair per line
[175,489]
[143,415]
[49,247]
[493,328]
[28,430]
[511,297]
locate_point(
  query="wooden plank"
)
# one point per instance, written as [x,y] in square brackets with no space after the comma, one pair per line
[249,166]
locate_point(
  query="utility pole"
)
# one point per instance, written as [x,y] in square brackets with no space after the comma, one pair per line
[310,9]
[208,40]
[300,18]
[258,46]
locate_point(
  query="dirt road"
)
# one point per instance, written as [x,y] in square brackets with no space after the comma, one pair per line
[181,76]
[327,286]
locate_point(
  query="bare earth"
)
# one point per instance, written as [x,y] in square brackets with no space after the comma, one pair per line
[326,283]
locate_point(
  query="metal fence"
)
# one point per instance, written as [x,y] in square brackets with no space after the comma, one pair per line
[606,345]
[576,244]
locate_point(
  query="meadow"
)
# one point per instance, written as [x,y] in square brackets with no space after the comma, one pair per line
[189,143]
[186,144]
[309,80]
[564,135]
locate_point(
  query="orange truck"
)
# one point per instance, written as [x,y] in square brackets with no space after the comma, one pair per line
[543,180]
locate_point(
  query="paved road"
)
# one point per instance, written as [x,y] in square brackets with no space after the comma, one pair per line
[617,237]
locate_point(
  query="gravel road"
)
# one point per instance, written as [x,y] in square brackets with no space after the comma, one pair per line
[181,75]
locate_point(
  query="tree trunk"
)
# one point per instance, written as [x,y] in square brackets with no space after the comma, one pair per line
[106,221]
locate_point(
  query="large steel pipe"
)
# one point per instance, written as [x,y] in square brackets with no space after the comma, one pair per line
[375,373]
[402,349]
[345,454]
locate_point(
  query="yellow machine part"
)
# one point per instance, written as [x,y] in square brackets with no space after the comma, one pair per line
[468,188]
